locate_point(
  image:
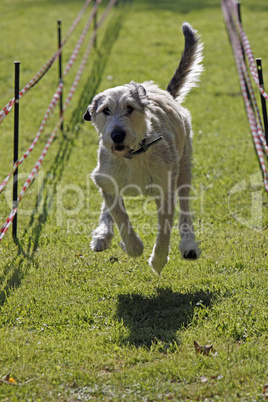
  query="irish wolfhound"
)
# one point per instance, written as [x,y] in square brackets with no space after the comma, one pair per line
[145,148]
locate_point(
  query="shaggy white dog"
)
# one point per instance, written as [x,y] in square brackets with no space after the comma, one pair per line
[145,148]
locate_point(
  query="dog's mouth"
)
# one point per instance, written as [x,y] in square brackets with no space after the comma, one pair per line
[120,149]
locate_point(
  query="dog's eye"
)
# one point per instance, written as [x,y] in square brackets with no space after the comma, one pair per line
[129,109]
[106,111]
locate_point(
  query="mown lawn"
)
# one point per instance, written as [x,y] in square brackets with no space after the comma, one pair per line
[79,326]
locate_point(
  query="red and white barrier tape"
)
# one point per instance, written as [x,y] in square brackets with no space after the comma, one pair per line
[76,21]
[56,96]
[38,164]
[50,109]
[81,39]
[104,15]
[229,10]
[251,59]
[7,223]
[232,7]
[5,111]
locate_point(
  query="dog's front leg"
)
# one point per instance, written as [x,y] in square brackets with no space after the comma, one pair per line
[165,212]
[103,234]
[131,242]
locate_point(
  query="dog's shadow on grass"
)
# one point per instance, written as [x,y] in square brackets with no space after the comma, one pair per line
[159,317]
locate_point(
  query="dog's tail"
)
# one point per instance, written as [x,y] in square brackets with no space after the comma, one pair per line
[188,72]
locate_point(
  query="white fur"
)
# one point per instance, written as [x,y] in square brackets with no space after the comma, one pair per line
[163,172]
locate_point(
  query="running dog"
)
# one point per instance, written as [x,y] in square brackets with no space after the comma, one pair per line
[145,148]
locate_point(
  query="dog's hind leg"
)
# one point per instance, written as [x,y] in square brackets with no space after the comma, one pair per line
[132,244]
[103,234]
[188,246]
[165,211]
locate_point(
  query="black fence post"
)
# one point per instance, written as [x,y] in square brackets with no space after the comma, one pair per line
[95,24]
[243,52]
[16,145]
[263,100]
[60,72]
[238,3]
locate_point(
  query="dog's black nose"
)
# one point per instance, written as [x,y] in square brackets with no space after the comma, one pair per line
[118,136]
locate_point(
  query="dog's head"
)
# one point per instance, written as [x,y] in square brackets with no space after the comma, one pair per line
[118,115]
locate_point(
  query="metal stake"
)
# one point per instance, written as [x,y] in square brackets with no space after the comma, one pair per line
[16,145]
[239,11]
[95,24]
[60,71]
[263,100]
[243,52]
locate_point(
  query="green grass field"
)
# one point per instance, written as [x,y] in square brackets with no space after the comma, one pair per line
[81,326]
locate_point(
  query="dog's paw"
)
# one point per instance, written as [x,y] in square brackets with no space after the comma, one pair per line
[133,249]
[190,255]
[101,238]
[99,244]
[189,250]
[157,263]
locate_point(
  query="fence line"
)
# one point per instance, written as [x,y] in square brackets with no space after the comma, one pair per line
[56,96]
[38,76]
[82,38]
[39,162]
[241,48]
[50,110]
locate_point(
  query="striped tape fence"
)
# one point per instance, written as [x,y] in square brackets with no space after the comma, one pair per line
[243,54]
[53,103]
[40,74]
[56,96]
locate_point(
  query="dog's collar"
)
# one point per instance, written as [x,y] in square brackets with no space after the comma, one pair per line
[142,148]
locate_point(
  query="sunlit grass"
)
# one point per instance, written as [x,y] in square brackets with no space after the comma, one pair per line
[104,326]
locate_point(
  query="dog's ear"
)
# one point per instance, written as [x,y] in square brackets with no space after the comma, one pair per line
[92,108]
[142,91]
[139,88]
[87,116]
[139,93]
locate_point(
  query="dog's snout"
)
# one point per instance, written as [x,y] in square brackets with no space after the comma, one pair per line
[118,136]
